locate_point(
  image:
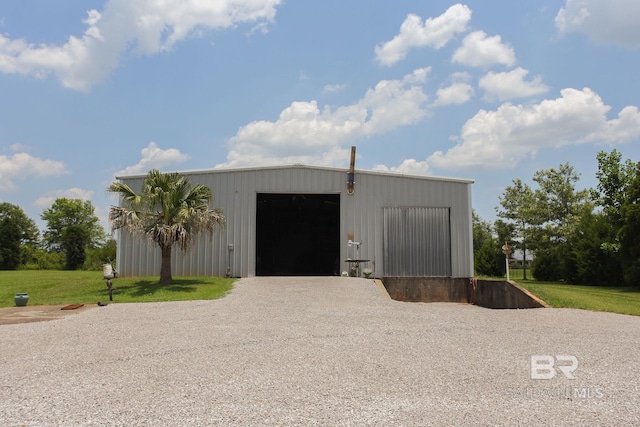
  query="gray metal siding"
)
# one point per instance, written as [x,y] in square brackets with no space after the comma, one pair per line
[364,213]
[417,241]
[361,214]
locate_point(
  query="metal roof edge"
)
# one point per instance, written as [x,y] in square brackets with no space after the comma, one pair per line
[312,167]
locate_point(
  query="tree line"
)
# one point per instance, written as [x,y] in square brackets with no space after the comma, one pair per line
[73,239]
[588,237]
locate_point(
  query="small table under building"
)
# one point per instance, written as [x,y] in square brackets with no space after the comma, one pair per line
[354,270]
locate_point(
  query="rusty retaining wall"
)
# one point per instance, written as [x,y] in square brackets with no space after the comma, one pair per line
[485,293]
[427,289]
[502,294]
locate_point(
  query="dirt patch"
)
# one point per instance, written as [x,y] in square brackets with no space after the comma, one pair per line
[37,313]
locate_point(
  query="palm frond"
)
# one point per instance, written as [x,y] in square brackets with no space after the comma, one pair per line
[128,196]
[168,210]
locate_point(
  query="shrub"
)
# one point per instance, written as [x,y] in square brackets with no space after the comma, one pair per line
[98,256]
[489,259]
[546,267]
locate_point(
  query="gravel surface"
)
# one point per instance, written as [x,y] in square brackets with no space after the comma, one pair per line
[317,351]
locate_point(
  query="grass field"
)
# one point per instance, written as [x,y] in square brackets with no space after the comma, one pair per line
[75,287]
[598,298]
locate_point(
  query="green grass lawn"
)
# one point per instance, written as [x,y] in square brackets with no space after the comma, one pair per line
[598,298]
[49,287]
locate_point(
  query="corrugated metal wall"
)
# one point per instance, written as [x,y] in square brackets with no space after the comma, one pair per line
[362,214]
[417,242]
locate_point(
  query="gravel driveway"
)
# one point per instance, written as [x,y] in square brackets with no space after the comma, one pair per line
[319,351]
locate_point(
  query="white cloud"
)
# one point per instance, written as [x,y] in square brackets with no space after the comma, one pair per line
[22,165]
[502,138]
[456,94]
[408,167]
[150,26]
[153,157]
[19,147]
[625,128]
[460,76]
[612,22]
[479,50]
[304,133]
[510,85]
[434,32]
[334,88]
[71,193]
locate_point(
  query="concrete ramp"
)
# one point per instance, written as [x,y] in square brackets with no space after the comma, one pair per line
[303,292]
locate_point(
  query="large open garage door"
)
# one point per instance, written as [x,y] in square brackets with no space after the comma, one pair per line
[297,234]
[417,241]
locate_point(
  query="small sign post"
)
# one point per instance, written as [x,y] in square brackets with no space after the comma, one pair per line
[507,250]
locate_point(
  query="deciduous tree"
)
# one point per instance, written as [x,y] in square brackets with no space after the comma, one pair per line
[618,193]
[630,232]
[519,208]
[17,230]
[614,178]
[488,259]
[559,208]
[72,227]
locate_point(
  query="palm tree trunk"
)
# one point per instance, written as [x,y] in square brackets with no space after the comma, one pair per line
[165,267]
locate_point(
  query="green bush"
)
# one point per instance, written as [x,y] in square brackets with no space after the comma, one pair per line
[489,259]
[42,260]
[98,256]
[546,267]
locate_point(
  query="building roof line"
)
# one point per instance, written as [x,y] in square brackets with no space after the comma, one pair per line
[311,167]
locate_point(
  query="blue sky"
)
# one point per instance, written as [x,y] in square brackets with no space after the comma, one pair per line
[488,90]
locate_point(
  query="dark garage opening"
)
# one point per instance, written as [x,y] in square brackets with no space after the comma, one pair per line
[297,234]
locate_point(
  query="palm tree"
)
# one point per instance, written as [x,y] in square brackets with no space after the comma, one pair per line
[168,210]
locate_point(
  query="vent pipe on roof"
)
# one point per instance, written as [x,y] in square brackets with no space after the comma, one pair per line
[352,172]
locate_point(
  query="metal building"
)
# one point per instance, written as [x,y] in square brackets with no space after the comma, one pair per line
[300,220]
